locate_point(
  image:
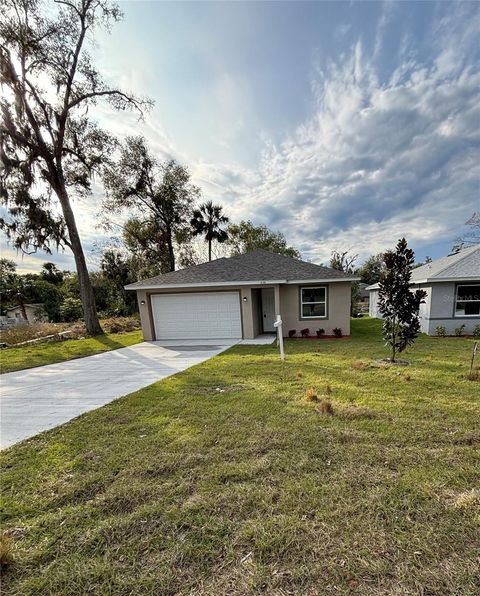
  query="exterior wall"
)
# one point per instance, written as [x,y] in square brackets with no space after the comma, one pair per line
[338,308]
[33,314]
[287,304]
[439,309]
[442,310]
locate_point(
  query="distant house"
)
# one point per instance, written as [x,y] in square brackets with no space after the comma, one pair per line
[363,301]
[453,292]
[35,312]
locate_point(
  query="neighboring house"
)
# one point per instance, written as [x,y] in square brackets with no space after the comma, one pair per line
[35,312]
[453,292]
[239,297]
[364,297]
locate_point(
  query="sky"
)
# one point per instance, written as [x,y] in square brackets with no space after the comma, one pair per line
[345,125]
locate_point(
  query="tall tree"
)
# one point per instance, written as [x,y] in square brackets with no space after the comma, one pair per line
[343,261]
[398,303]
[472,236]
[159,195]
[51,273]
[50,146]
[207,221]
[245,237]
[371,270]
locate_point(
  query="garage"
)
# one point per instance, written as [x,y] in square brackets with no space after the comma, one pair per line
[197,315]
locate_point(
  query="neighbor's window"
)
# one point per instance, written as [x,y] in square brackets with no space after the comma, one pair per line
[468,301]
[313,302]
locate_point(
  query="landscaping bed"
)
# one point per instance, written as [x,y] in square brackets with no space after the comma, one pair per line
[233,478]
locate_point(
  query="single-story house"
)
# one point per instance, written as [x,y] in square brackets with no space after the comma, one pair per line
[452,284]
[363,297]
[240,297]
[34,312]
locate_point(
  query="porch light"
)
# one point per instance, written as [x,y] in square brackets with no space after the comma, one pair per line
[142,302]
[244,298]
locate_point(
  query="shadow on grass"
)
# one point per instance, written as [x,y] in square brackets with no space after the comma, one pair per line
[108,342]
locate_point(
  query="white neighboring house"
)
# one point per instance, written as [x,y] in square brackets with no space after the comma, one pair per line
[453,292]
[35,313]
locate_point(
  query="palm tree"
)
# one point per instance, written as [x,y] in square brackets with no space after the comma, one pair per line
[206,221]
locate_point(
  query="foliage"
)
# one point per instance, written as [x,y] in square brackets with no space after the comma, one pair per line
[120,270]
[47,294]
[207,221]
[158,195]
[343,261]
[440,331]
[21,333]
[245,237]
[320,332]
[337,332]
[238,473]
[398,304]
[51,273]
[305,332]
[120,324]
[292,333]
[50,145]
[459,330]
[371,270]
[476,332]
[71,309]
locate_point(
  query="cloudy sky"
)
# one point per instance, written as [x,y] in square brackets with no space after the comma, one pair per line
[344,125]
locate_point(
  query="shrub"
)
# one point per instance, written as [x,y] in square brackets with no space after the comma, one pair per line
[440,331]
[311,394]
[476,332]
[305,332]
[120,324]
[459,330]
[337,332]
[320,332]
[71,309]
[292,332]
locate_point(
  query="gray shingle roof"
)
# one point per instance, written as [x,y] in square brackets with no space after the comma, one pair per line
[465,264]
[259,265]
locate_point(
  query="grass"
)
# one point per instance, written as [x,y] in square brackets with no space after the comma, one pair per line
[226,479]
[12,359]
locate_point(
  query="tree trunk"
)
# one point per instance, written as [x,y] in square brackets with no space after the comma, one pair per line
[87,296]
[171,253]
[210,249]
[23,309]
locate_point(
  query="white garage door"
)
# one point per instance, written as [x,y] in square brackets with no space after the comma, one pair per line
[202,315]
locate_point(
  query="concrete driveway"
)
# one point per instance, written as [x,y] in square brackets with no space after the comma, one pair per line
[41,398]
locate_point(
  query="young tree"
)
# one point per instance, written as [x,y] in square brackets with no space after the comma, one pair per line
[206,221]
[160,195]
[245,237]
[399,304]
[49,144]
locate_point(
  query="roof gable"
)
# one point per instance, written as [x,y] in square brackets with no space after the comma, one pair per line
[257,266]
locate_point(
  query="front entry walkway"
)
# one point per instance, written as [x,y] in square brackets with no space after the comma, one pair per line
[38,399]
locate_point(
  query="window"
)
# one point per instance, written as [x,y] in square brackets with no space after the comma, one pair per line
[313,302]
[467,303]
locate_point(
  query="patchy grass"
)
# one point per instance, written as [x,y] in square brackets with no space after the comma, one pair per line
[12,359]
[182,489]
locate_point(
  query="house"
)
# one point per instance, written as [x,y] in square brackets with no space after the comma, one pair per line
[240,297]
[34,312]
[363,297]
[453,292]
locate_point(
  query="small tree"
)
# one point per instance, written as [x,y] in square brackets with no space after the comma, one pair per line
[206,221]
[399,304]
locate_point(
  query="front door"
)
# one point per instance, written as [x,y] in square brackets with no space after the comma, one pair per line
[268,310]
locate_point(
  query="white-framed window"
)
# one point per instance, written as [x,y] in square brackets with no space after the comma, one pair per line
[313,303]
[467,301]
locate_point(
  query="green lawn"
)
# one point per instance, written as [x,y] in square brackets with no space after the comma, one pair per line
[58,351]
[183,489]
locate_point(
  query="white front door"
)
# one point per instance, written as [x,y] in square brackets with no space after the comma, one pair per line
[199,315]
[268,310]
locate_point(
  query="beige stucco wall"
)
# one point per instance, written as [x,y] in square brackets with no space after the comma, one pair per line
[286,300]
[338,309]
[33,314]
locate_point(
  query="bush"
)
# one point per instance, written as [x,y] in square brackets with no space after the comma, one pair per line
[311,394]
[476,332]
[337,332]
[440,331]
[292,332]
[320,332]
[71,309]
[120,324]
[325,407]
[305,332]
[459,330]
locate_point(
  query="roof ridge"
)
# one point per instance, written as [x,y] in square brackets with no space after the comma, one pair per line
[458,260]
